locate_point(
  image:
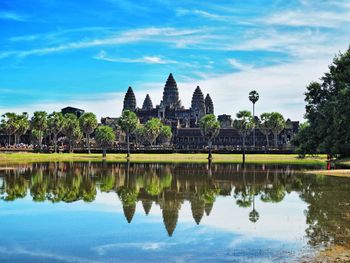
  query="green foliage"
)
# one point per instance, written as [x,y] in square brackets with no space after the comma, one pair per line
[253,96]
[152,130]
[165,134]
[328,109]
[71,129]
[39,120]
[104,136]
[209,126]
[304,140]
[244,124]
[140,134]
[128,121]
[277,124]
[88,123]
[22,123]
[8,123]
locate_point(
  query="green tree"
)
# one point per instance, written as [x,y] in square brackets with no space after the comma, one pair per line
[39,123]
[152,130]
[128,123]
[71,129]
[210,128]
[277,124]
[88,124]
[9,124]
[104,138]
[55,123]
[140,134]
[253,97]
[165,134]
[265,125]
[244,124]
[305,141]
[328,109]
[22,126]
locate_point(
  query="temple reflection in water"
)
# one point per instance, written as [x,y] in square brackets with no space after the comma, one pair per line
[170,185]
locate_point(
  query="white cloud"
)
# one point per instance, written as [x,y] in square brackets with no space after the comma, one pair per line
[146,59]
[12,16]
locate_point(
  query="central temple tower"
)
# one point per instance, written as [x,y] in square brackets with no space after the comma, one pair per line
[171,94]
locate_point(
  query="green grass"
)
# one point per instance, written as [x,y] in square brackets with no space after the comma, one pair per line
[17,158]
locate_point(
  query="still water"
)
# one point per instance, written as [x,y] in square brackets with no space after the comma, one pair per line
[119,212]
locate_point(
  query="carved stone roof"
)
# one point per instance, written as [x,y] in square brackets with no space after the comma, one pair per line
[129,100]
[209,105]
[197,103]
[147,103]
[171,93]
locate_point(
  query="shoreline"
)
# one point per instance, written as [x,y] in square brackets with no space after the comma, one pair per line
[23,157]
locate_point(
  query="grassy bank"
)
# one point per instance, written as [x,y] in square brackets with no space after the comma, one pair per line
[13,158]
[344,161]
[338,172]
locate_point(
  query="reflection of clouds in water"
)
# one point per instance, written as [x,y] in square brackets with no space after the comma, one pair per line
[102,250]
[42,255]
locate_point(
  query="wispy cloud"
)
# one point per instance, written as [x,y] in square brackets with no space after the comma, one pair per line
[13,16]
[238,65]
[152,34]
[102,55]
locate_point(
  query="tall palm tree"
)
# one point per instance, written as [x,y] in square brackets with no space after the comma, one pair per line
[88,124]
[210,128]
[277,123]
[55,123]
[128,123]
[104,137]
[253,97]
[22,126]
[244,124]
[9,124]
[265,126]
[39,124]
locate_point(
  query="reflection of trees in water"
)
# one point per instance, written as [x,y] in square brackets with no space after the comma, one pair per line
[169,186]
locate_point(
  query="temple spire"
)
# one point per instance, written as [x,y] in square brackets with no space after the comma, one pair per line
[209,105]
[147,103]
[171,93]
[198,104]
[129,100]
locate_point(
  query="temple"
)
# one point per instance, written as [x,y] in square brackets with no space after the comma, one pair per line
[185,121]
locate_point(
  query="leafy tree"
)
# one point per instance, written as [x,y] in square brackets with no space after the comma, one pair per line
[253,97]
[244,124]
[128,123]
[22,124]
[104,138]
[165,134]
[210,129]
[152,130]
[39,123]
[277,124]
[140,134]
[265,126]
[88,124]
[9,124]
[328,109]
[305,141]
[71,129]
[55,123]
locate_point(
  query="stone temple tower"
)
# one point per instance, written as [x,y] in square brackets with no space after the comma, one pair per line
[129,100]
[209,105]
[171,94]
[198,104]
[147,103]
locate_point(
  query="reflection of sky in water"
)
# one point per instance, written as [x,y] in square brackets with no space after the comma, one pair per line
[98,231]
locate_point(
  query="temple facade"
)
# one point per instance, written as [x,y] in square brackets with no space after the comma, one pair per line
[184,121]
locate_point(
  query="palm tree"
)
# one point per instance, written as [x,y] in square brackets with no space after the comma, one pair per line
[210,128]
[244,124]
[128,123]
[277,123]
[55,123]
[265,126]
[9,124]
[104,138]
[253,97]
[165,134]
[39,123]
[22,124]
[88,124]
[71,129]
[152,130]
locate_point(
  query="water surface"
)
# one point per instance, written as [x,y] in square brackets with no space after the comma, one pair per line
[112,212]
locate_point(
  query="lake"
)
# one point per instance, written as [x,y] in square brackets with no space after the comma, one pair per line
[134,212]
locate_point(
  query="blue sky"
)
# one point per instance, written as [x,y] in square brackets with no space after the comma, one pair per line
[86,53]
